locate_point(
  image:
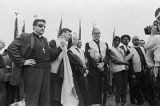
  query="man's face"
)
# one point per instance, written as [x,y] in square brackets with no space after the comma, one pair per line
[66,35]
[141,43]
[135,42]
[39,28]
[96,34]
[79,45]
[125,41]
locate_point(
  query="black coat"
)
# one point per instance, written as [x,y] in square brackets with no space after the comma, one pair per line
[20,50]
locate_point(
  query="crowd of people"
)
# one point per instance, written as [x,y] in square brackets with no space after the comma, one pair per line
[60,73]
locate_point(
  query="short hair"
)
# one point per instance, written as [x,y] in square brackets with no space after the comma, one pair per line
[38,20]
[116,37]
[95,29]
[135,37]
[64,30]
[123,36]
[142,40]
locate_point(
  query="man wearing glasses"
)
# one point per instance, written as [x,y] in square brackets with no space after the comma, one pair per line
[31,56]
[96,52]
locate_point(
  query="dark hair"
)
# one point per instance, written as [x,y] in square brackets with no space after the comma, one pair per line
[64,30]
[142,40]
[116,37]
[69,43]
[38,20]
[94,30]
[123,36]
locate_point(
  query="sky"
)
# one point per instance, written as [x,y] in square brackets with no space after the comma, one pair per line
[127,16]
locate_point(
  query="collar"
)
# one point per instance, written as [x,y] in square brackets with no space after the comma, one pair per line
[38,35]
[96,40]
[135,46]
[74,46]
[124,45]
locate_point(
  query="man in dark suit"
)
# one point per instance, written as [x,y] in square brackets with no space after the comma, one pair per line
[32,57]
[57,66]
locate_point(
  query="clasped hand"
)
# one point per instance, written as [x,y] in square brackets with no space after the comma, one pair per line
[100,66]
[30,62]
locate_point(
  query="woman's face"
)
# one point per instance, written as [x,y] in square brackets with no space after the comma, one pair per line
[116,43]
[74,40]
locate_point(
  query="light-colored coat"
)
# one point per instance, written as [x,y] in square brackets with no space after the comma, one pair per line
[136,62]
[116,54]
[153,44]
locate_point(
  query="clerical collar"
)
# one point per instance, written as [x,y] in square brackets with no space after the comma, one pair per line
[96,41]
[38,35]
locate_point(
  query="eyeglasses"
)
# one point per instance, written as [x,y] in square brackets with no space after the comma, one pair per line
[96,33]
[41,26]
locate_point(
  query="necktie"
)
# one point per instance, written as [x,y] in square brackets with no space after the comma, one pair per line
[97,42]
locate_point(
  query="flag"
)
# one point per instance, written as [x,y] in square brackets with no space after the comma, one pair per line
[113,35]
[23,28]
[16,28]
[60,27]
[69,95]
[80,30]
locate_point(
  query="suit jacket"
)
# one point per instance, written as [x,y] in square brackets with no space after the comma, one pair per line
[19,50]
[55,47]
[136,62]
[56,78]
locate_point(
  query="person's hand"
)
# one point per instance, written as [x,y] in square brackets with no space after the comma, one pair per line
[30,62]
[87,72]
[85,75]
[126,63]
[133,76]
[100,65]
[8,67]
[63,44]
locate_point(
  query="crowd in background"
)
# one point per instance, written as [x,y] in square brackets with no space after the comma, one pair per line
[60,73]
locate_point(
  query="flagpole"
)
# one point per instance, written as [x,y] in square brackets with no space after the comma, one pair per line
[60,27]
[113,35]
[80,29]
[16,26]
[23,28]
[16,14]
[35,16]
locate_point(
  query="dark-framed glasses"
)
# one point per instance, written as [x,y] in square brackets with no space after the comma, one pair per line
[41,26]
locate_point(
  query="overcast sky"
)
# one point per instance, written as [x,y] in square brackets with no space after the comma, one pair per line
[127,16]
